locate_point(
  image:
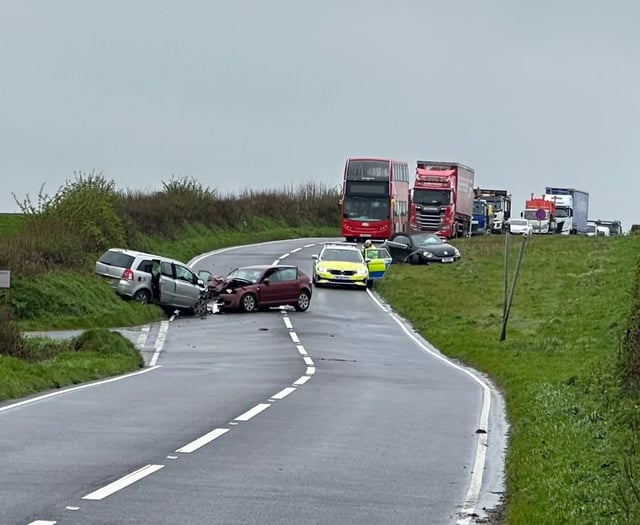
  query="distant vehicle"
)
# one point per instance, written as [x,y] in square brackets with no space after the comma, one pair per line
[420,248]
[500,201]
[572,209]
[442,198]
[482,221]
[340,264]
[130,273]
[378,260]
[614,227]
[375,198]
[541,214]
[258,287]
[520,227]
[595,229]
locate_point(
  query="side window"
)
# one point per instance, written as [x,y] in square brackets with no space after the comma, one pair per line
[288,274]
[184,274]
[167,269]
[403,239]
[145,266]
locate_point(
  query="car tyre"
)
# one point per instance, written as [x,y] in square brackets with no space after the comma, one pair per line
[200,308]
[414,259]
[248,303]
[142,296]
[370,283]
[303,302]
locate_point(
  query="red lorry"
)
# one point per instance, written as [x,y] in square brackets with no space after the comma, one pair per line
[442,198]
[541,213]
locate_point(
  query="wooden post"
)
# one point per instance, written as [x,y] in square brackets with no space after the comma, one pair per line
[503,334]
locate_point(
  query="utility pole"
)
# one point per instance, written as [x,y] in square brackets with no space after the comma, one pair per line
[507,304]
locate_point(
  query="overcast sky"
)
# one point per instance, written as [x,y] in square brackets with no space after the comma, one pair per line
[262,93]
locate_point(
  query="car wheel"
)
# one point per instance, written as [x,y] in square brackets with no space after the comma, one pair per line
[248,303]
[142,296]
[370,283]
[200,308]
[414,259]
[304,299]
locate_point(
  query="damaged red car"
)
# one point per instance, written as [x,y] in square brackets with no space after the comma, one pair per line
[259,287]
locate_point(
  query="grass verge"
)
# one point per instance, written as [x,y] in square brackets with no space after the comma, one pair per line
[95,354]
[572,455]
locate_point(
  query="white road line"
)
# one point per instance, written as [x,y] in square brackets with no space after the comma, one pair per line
[294,337]
[284,393]
[43,522]
[285,255]
[142,338]
[276,262]
[160,340]
[310,245]
[253,412]
[72,389]
[123,482]
[308,361]
[301,350]
[473,493]
[311,370]
[72,507]
[287,323]
[203,440]
[296,250]
[302,380]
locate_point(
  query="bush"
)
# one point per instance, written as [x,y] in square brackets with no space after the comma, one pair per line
[11,341]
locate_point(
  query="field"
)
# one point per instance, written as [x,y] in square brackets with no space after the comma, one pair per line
[10,223]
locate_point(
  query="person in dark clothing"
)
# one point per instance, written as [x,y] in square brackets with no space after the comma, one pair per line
[156,271]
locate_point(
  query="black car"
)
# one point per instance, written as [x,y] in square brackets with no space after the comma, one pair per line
[420,248]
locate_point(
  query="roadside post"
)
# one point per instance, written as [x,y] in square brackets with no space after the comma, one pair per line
[5,284]
[508,300]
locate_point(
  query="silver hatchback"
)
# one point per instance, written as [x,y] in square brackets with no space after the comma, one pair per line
[149,278]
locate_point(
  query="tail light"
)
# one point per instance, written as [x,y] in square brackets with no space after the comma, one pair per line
[127,275]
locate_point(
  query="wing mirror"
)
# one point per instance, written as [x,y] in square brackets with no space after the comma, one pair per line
[314,257]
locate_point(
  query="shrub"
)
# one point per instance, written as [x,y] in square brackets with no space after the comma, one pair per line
[11,341]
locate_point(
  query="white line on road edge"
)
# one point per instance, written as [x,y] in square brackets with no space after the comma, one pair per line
[202,441]
[473,493]
[73,389]
[302,380]
[283,393]
[142,338]
[123,482]
[253,412]
[160,339]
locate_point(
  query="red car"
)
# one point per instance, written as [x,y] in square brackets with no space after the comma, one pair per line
[258,287]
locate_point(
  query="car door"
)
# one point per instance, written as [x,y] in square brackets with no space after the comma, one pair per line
[379,261]
[167,284]
[272,288]
[399,247]
[187,289]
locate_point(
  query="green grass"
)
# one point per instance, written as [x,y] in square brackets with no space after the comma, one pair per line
[572,452]
[10,223]
[95,354]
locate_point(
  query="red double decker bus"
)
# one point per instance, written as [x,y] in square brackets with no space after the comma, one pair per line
[375,198]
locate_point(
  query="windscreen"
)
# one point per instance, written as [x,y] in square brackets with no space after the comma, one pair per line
[360,208]
[431,197]
[368,170]
[342,255]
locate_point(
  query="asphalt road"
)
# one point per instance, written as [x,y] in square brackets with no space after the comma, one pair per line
[340,414]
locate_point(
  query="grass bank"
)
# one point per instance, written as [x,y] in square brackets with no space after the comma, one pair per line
[50,364]
[572,455]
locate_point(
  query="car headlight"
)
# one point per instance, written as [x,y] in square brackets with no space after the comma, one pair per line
[457,252]
[428,255]
[322,269]
[361,271]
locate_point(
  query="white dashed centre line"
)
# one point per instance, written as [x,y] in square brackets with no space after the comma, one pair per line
[43,522]
[283,393]
[162,336]
[301,350]
[123,482]
[253,412]
[302,380]
[202,441]
[287,323]
[294,337]
[311,370]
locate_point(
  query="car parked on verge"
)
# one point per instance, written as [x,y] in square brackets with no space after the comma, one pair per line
[131,274]
[258,287]
[420,248]
[520,227]
[340,263]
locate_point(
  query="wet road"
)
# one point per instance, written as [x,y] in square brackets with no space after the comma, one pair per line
[336,415]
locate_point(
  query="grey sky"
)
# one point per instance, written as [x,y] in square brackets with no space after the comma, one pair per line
[268,94]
